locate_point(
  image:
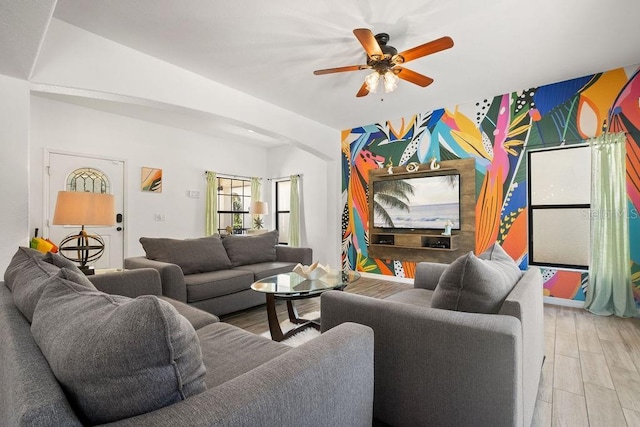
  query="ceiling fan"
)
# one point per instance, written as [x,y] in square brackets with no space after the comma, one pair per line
[385,61]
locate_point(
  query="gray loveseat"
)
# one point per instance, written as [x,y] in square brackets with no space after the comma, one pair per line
[68,357]
[444,367]
[215,273]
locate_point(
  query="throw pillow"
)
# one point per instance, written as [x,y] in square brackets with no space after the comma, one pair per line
[27,279]
[243,250]
[473,285]
[114,356]
[496,253]
[61,262]
[192,255]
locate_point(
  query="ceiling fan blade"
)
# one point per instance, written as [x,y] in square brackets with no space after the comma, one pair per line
[427,49]
[363,90]
[341,69]
[368,41]
[412,76]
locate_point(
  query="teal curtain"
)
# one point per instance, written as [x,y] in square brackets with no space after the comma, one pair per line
[211,202]
[255,196]
[294,212]
[609,291]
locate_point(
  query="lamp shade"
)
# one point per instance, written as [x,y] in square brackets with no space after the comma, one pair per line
[82,208]
[258,208]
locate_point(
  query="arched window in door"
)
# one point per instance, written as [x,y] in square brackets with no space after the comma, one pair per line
[88,180]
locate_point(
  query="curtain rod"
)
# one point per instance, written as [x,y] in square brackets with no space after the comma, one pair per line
[226,175]
[585,141]
[284,177]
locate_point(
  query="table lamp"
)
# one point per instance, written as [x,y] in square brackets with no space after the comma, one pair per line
[80,209]
[257,209]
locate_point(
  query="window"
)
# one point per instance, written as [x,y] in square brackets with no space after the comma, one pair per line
[283,195]
[88,180]
[234,198]
[559,207]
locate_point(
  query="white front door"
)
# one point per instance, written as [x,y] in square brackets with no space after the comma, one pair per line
[71,172]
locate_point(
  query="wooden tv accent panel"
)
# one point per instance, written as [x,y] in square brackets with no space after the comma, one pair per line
[427,245]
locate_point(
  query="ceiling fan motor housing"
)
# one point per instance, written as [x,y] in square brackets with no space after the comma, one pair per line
[389,52]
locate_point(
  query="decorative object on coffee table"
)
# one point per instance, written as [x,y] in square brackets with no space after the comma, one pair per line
[313,271]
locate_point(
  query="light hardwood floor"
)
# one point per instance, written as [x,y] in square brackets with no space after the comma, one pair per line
[591,375]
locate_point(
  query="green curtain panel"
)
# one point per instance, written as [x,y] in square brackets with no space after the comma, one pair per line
[609,291]
[255,196]
[211,213]
[294,213]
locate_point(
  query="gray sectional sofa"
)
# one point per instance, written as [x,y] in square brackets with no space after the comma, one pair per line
[215,273]
[464,347]
[73,353]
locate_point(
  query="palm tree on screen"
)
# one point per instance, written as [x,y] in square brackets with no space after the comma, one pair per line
[391,194]
[450,180]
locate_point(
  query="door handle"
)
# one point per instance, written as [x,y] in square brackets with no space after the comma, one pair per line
[119,218]
[119,228]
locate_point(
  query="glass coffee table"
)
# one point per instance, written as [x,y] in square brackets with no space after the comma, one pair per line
[291,286]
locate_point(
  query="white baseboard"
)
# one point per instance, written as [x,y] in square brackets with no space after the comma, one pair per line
[564,302]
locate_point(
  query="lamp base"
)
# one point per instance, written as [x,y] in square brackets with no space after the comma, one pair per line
[88,270]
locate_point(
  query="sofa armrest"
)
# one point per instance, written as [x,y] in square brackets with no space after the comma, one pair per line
[430,363]
[129,283]
[291,254]
[326,381]
[525,302]
[428,274]
[171,276]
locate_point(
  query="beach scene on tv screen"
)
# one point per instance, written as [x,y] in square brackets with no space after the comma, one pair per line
[425,203]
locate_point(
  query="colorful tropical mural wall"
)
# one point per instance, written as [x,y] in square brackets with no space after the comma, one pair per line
[497,133]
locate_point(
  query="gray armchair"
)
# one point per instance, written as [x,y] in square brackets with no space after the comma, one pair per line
[442,367]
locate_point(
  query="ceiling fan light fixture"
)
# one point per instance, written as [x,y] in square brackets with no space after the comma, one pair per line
[372,81]
[390,81]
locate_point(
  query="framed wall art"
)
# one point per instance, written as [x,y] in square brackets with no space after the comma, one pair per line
[151,179]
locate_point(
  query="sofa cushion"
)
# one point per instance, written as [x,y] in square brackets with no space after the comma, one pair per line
[217,283]
[416,296]
[192,255]
[266,269]
[473,285]
[116,357]
[229,351]
[198,318]
[244,250]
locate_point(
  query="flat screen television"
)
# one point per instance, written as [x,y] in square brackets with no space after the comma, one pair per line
[417,203]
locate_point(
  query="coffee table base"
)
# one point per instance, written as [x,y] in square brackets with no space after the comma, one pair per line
[274,324]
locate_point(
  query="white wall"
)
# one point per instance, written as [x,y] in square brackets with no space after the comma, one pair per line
[14,168]
[316,188]
[184,156]
[72,58]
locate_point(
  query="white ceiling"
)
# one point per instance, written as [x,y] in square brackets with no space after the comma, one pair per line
[269,49]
